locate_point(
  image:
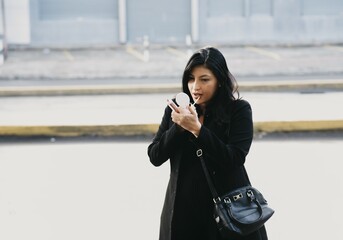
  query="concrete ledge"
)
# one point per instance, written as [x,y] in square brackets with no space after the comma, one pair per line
[87,90]
[78,131]
[268,86]
[299,126]
[150,129]
[292,85]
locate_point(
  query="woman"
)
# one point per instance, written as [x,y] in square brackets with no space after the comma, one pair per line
[221,125]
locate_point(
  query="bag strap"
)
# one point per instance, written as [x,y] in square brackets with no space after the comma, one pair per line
[215,195]
[199,153]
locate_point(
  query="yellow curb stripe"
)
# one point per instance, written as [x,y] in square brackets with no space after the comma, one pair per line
[265,53]
[150,129]
[88,89]
[78,131]
[298,126]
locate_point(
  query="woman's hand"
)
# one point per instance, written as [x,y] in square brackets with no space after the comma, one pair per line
[187,118]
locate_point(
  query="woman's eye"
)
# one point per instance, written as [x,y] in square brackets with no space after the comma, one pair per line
[205,79]
[191,80]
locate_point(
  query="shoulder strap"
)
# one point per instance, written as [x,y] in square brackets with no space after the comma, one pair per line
[215,195]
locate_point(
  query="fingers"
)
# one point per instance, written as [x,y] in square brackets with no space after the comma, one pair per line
[173,115]
[192,110]
[176,117]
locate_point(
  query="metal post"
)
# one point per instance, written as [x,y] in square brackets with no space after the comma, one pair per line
[3,40]
[122,21]
[146,54]
[189,45]
[195,20]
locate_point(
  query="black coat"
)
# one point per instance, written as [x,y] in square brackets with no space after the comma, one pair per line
[225,148]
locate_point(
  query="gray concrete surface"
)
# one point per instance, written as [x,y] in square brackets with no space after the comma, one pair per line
[122,70]
[91,190]
[126,62]
[140,114]
[148,109]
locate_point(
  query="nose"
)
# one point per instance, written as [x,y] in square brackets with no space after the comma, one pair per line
[195,86]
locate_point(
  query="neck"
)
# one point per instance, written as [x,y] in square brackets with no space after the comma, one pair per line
[202,108]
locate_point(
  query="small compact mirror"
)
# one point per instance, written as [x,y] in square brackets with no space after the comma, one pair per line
[182,99]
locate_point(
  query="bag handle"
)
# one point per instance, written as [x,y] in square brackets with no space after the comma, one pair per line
[253,199]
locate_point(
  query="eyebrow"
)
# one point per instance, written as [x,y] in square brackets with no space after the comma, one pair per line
[204,75]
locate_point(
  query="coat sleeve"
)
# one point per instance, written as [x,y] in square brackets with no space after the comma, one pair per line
[231,153]
[166,141]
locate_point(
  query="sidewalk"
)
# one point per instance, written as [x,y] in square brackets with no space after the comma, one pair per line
[123,70]
[140,114]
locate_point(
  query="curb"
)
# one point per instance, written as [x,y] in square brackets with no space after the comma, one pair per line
[87,90]
[150,129]
[268,86]
[292,85]
[78,131]
[298,126]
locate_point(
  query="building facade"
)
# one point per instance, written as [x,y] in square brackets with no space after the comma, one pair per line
[82,23]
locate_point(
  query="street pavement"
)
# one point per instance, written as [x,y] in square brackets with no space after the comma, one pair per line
[127,62]
[89,190]
[92,189]
[42,90]
[126,65]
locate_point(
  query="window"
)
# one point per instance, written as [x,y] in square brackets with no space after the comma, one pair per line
[231,8]
[322,7]
[261,7]
[77,9]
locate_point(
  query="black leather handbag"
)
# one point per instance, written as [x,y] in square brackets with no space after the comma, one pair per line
[239,212]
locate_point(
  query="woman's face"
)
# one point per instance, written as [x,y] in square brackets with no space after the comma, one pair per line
[202,85]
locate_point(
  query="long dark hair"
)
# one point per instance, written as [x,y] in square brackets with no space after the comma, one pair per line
[213,59]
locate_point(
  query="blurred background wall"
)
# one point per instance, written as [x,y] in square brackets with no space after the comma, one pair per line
[82,23]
